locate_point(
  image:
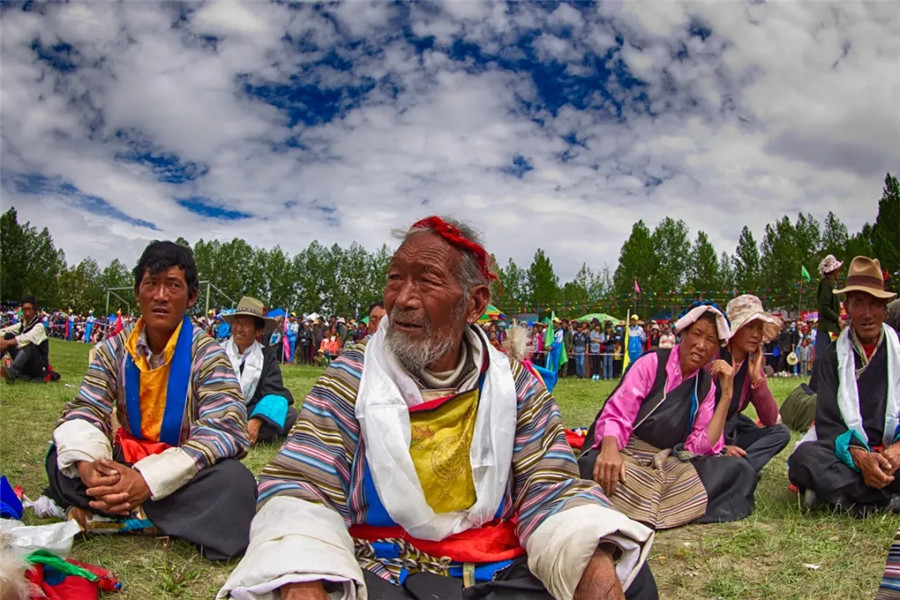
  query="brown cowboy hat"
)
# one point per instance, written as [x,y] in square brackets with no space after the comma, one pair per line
[865,276]
[253,308]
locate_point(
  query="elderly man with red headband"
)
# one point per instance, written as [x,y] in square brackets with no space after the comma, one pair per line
[426,463]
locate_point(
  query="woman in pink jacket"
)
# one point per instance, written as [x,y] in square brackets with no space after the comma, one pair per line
[658,441]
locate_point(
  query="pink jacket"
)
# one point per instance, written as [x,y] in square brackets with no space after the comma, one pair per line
[622,408]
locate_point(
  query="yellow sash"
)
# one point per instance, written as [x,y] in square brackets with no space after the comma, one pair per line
[154,382]
[441,439]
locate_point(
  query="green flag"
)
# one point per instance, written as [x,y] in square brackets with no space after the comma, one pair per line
[804,273]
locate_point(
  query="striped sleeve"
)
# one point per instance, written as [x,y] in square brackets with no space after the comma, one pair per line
[97,393]
[220,426]
[314,463]
[544,468]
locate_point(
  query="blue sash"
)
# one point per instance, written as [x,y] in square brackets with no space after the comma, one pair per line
[176,389]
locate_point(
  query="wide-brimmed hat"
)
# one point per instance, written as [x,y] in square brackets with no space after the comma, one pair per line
[747,308]
[865,276]
[829,264]
[792,359]
[253,308]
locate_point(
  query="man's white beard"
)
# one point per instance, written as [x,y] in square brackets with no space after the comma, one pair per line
[415,356]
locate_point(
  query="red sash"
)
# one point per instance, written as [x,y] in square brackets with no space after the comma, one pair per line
[134,449]
[492,542]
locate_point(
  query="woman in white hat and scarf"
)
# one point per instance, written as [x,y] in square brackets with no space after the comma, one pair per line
[829,307]
[751,327]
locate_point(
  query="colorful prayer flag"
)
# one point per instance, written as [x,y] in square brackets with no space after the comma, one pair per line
[637,288]
[804,273]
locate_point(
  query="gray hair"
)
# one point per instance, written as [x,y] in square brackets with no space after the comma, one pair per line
[470,275]
[893,315]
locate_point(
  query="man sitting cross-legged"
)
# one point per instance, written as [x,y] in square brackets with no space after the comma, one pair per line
[268,401]
[183,422]
[424,460]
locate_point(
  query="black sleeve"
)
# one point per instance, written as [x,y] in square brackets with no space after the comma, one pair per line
[829,423]
[270,380]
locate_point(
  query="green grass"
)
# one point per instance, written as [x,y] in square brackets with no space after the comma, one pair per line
[764,556]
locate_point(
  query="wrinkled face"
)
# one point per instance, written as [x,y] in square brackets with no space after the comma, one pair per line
[243,330]
[699,345]
[427,307]
[749,337]
[867,313]
[163,298]
[375,319]
[28,312]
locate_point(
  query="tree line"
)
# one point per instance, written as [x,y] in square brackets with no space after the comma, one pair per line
[670,267]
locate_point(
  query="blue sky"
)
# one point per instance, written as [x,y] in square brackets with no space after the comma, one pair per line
[542,124]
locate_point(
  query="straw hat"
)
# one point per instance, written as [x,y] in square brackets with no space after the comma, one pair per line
[792,359]
[747,308]
[253,308]
[865,276]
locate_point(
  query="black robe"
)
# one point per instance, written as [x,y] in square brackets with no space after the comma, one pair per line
[271,383]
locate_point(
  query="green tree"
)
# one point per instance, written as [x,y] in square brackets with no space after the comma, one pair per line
[703,267]
[80,288]
[637,260]
[834,237]
[746,263]
[786,246]
[29,262]
[543,284]
[886,230]
[513,287]
[672,252]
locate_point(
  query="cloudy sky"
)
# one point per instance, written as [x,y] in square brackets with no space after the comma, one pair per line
[544,125]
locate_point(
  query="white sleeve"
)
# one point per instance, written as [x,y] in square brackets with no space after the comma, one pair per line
[36,337]
[77,440]
[167,471]
[294,541]
[560,548]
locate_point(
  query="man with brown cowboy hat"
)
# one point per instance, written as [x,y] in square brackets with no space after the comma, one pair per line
[268,401]
[851,456]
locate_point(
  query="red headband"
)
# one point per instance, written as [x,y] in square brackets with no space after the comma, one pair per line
[456,238]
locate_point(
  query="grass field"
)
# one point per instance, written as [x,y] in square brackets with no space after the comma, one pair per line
[781,551]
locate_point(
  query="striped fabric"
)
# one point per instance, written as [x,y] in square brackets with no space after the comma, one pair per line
[890,582]
[215,426]
[659,490]
[323,459]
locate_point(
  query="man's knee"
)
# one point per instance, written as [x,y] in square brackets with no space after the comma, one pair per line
[780,435]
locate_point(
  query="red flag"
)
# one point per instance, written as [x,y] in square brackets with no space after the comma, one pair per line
[637,288]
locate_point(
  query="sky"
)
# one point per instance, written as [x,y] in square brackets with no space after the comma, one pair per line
[541,124]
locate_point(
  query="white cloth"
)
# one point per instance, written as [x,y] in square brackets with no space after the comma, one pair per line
[77,440]
[252,358]
[283,530]
[724,332]
[385,394]
[848,392]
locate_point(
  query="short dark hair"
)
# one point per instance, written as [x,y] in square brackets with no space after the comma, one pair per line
[374,305]
[893,315]
[29,300]
[160,255]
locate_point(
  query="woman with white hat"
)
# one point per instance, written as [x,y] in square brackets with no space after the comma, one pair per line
[751,327]
[829,307]
[656,446]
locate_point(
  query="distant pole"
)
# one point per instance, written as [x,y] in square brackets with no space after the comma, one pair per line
[206,312]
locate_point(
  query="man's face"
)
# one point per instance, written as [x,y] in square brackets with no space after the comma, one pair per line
[867,313]
[28,312]
[243,329]
[375,319]
[425,301]
[163,298]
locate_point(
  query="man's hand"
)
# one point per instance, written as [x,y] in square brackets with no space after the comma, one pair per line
[892,453]
[609,469]
[312,590]
[599,580]
[93,474]
[253,426]
[875,467]
[735,451]
[4,343]
[120,498]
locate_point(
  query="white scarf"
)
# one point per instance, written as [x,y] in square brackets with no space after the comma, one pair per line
[386,392]
[848,392]
[253,363]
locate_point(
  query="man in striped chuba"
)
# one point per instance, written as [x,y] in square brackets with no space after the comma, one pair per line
[425,462]
[172,464]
